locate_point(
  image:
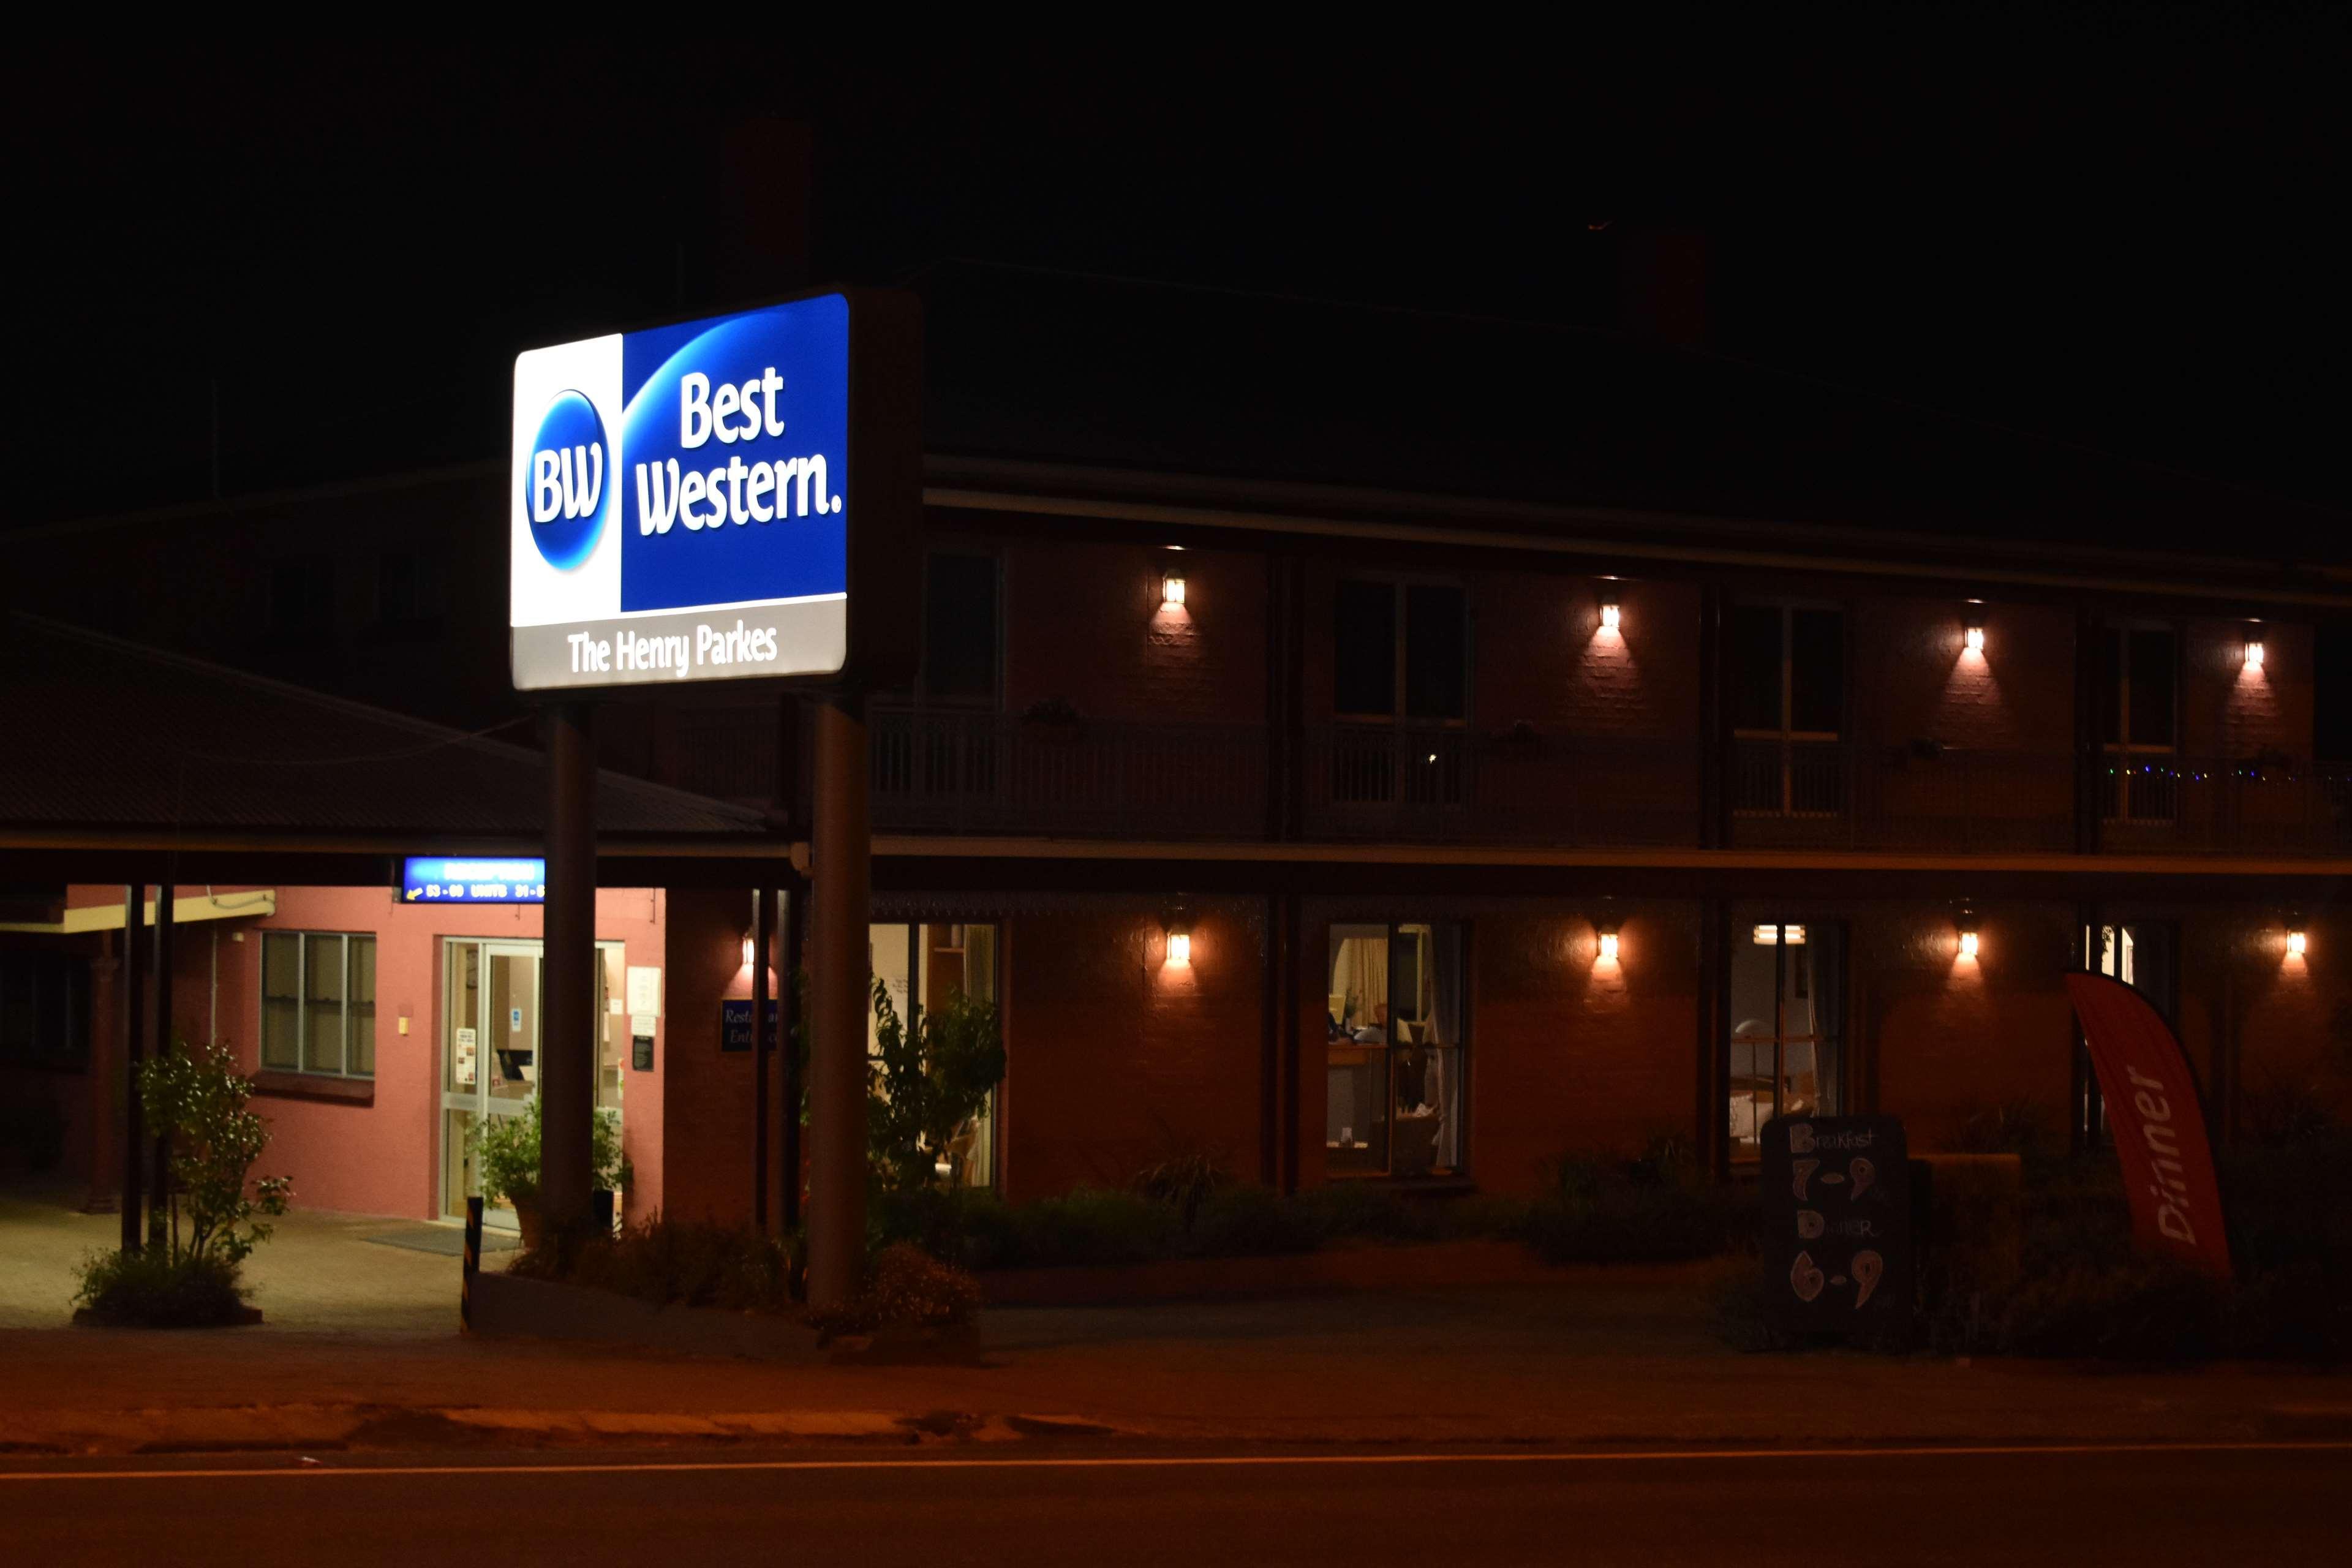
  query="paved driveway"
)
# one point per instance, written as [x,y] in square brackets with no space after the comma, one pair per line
[319,1274]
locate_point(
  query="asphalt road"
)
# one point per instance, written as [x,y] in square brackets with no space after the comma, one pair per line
[1850,1508]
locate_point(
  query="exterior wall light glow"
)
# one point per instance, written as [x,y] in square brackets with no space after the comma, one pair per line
[1607,932]
[1172,592]
[2255,647]
[1179,939]
[1612,612]
[1766,935]
[747,950]
[2296,943]
[1972,627]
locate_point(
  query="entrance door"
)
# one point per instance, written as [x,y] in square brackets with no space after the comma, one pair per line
[489,1057]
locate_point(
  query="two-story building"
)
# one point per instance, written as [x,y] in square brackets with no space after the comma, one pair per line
[1372,747]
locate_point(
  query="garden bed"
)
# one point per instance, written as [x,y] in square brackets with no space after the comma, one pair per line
[1333,1269]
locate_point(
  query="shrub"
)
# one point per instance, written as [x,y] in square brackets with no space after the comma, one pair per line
[1185,1182]
[1353,1211]
[508,1150]
[905,1288]
[1252,1222]
[1660,1208]
[687,1263]
[194,1099]
[1090,1225]
[932,1074]
[157,1288]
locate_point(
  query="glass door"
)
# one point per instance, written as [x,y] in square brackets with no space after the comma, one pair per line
[489,1057]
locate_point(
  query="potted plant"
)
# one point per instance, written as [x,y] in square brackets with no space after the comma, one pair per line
[506,1151]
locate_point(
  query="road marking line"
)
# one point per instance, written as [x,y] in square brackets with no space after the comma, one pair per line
[1196,1461]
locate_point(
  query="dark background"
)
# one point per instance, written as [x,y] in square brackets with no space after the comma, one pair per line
[2119,227]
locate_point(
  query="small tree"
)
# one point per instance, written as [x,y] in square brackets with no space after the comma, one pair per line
[194,1097]
[932,1073]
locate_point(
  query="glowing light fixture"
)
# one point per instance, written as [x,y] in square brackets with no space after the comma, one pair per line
[1179,939]
[2255,647]
[1612,612]
[1607,932]
[1794,936]
[2296,943]
[1172,592]
[747,950]
[1972,626]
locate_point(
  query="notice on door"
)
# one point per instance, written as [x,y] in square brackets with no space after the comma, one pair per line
[462,1066]
[645,990]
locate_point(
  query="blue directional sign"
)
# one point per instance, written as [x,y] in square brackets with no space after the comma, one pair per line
[448,880]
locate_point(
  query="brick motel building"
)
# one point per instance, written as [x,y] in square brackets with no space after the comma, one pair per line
[1440,749]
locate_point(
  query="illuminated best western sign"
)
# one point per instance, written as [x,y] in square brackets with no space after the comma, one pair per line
[724,499]
[442,880]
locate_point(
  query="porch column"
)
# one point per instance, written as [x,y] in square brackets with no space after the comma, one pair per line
[134,1143]
[842,856]
[159,1184]
[762,940]
[567,1046]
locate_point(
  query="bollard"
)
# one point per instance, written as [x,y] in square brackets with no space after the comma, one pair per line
[472,1265]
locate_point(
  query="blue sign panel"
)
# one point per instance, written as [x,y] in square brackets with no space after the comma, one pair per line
[735,1024]
[681,502]
[444,879]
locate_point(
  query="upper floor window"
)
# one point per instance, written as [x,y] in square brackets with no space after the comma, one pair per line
[961,640]
[2137,679]
[318,1002]
[1401,650]
[407,591]
[1787,672]
[2331,692]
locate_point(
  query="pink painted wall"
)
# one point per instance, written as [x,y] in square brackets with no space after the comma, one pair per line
[382,1157]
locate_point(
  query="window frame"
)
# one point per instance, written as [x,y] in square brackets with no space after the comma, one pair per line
[1785,731]
[38,970]
[1400,586]
[1443,931]
[2116,797]
[918,955]
[302,1000]
[1833,1024]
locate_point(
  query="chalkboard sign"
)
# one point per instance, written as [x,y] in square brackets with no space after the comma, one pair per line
[735,1025]
[1837,1226]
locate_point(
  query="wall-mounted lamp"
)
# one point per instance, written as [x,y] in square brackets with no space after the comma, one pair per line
[1767,936]
[1972,622]
[1611,613]
[2254,646]
[2296,943]
[747,950]
[1179,938]
[1966,924]
[1607,932]
[1172,592]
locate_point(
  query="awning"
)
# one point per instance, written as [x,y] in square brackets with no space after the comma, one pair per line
[248,905]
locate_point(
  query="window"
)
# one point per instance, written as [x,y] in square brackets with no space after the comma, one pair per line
[1787,688]
[1394,1053]
[407,591]
[1788,1023]
[1401,660]
[1400,637]
[44,1010]
[2137,684]
[318,1002]
[934,965]
[960,628]
[2331,692]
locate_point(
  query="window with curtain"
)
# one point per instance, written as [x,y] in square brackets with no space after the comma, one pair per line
[1394,1052]
[318,1002]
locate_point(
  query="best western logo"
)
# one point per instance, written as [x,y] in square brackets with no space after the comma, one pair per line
[762,490]
[563,489]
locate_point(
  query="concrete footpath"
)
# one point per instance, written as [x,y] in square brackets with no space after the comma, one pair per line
[1603,1356]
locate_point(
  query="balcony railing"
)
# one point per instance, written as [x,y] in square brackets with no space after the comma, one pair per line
[945,771]
[1455,785]
[941,771]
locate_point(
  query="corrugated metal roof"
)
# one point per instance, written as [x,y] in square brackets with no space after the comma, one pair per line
[100,733]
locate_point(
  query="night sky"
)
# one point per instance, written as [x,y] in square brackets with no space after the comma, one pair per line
[2123,229]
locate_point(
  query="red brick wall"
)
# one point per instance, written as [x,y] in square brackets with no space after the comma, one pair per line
[706,1094]
[1948,1039]
[1915,678]
[1571,1055]
[1084,622]
[1116,1060]
[2294,1027]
